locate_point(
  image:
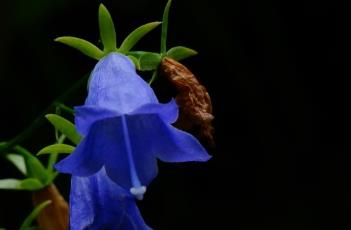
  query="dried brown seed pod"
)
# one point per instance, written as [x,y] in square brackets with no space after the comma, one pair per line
[192,98]
[55,215]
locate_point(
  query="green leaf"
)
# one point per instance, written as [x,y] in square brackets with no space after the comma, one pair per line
[136,35]
[82,45]
[56,148]
[30,184]
[29,220]
[149,61]
[107,30]
[65,127]
[18,161]
[137,54]
[35,169]
[180,52]
[135,61]
[165,28]
[3,145]
[10,184]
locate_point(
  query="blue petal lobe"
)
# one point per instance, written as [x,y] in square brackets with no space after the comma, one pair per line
[85,116]
[165,141]
[115,85]
[97,203]
[168,112]
[86,158]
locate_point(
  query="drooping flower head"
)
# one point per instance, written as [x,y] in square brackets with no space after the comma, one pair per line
[97,203]
[126,129]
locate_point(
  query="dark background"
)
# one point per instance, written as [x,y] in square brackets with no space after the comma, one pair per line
[277,72]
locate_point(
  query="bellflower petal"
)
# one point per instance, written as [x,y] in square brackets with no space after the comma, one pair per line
[98,203]
[86,159]
[168,112]
[115,85]
[165,141]
[85,116]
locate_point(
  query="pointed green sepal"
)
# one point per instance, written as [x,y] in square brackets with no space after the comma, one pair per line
[29,220]
[165,28]
[30,184]
[136,35]
[82,45]
[149,61]
[18,161]
[135,61]
[107,30]
[56,149]
[65,127]
[180,52]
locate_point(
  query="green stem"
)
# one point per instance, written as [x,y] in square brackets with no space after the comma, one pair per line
[40,119]
[53,157]
[65,108]
[154,76]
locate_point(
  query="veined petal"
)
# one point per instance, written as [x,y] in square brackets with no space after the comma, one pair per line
[97,203]
[115,85]
[165,141]
[168,112]
[85,116]
[86,159]
[134,167]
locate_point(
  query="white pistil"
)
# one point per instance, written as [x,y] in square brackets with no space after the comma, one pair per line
[137,190]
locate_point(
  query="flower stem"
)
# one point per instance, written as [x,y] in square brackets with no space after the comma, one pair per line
[154,76]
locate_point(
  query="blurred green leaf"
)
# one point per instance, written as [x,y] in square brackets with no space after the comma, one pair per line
[180,52]
[136,54]
[35,169]
[107,30]
[136,35]
[30,184]
[65,127]
[29,220]
[56,148]
[149,61]
[10,184]
[18,161]
[135,61]
[82,45]
[165,28]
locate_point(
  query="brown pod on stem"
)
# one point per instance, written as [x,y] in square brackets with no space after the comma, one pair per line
[193,99]
[55,215]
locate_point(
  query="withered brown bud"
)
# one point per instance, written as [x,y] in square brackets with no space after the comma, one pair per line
[193,99]
[55,215]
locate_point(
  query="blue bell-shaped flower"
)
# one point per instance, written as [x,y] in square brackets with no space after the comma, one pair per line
[126,129]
